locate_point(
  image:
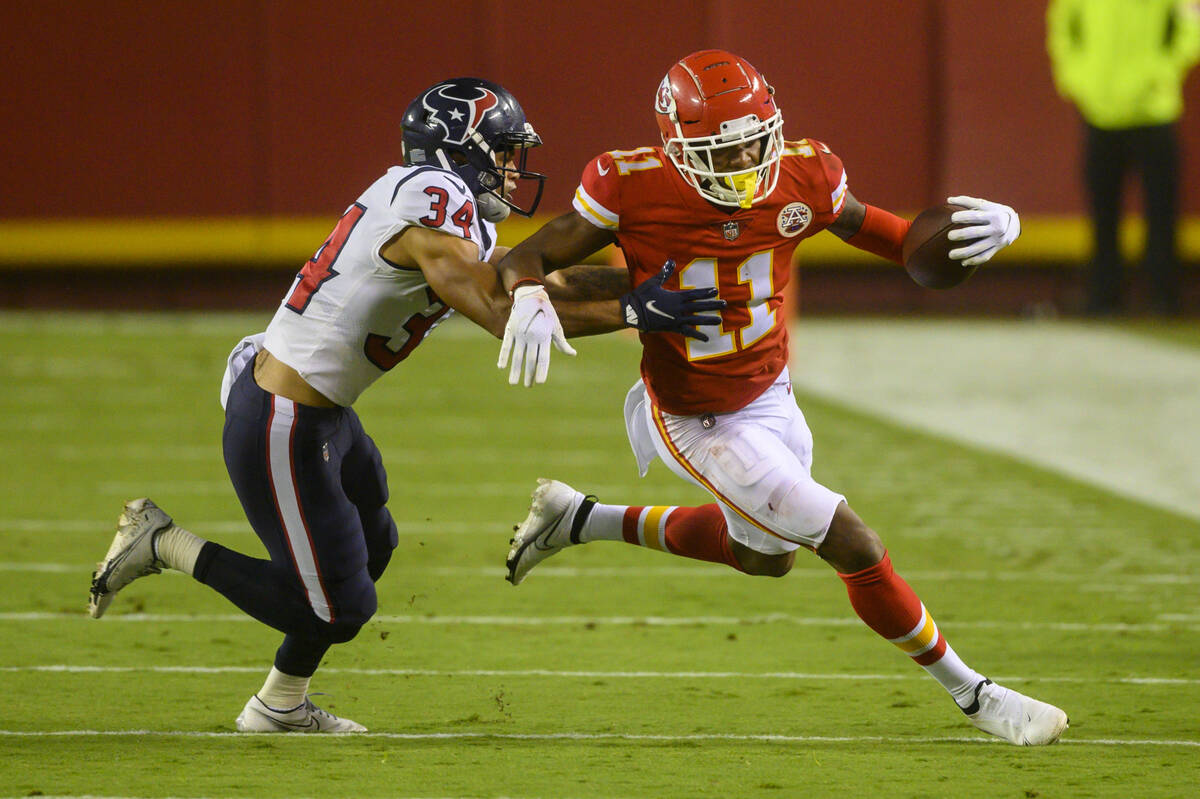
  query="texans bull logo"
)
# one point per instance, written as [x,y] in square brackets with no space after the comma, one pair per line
[449,112]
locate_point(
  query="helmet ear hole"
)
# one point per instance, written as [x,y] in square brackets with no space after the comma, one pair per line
[489,180]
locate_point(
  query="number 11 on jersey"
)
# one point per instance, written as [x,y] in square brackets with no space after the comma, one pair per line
[755,270]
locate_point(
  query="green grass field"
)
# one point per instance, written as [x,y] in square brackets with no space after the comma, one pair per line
[612,671]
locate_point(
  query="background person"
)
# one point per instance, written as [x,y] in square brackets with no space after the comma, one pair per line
[1123,63]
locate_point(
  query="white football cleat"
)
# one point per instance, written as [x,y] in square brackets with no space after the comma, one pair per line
[1015,717]
[131,554]
[257,716]
[554,522]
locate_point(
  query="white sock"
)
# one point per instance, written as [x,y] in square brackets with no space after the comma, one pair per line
[956,677]
[604,523]
[283,691]
[178,548]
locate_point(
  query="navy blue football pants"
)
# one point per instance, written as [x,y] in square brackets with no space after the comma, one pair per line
[313,487]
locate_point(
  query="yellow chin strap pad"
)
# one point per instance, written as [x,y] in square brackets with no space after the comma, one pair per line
[745,185]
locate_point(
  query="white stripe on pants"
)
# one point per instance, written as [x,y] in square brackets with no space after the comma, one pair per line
[287,503]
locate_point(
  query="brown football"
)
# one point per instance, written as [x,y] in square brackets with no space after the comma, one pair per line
[926,250]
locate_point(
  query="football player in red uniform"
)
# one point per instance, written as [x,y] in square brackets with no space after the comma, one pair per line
[729,199]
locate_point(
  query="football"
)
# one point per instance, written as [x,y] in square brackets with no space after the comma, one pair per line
[926,249]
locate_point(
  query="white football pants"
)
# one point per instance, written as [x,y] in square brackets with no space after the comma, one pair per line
[756,462]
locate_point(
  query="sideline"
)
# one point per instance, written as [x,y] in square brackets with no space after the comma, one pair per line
[1087,400]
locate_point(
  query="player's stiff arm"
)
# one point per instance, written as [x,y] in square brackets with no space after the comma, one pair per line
[416,246]
[729,199]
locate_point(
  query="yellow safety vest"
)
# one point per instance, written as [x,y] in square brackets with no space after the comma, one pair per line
[1123,62]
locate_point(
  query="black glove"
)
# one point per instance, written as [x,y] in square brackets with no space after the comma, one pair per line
[652,308]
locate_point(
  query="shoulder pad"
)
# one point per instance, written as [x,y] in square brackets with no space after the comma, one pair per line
[435,198]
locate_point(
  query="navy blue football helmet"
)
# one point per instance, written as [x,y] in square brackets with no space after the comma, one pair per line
[476,129]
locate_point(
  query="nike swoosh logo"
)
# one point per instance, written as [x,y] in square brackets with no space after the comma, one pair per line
[310,724]
[602,170]
[540,542]
[652,308]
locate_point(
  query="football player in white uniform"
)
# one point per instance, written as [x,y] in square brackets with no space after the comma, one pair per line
[418,244]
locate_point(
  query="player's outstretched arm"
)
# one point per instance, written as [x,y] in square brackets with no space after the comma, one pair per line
[452,268]
[526,322]
[577,292]
[870,228]
[649,307]
[990,227]
[561,242]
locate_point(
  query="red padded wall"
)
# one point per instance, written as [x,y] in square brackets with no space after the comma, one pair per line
[117,108]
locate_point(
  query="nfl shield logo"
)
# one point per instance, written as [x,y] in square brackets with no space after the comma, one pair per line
[731,230]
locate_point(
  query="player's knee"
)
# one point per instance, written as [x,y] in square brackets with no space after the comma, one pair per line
[850,545]
[777,565]
[797,509]
[759,564]
[354,603]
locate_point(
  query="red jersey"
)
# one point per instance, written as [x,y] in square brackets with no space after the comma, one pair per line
[745,252]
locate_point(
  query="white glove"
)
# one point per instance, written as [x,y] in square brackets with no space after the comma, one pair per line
[532,325]
[995,226]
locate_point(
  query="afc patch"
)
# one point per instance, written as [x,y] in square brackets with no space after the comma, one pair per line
[793,219]
[731,230]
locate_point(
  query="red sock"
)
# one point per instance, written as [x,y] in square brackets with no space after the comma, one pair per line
[698,533]
[891,608]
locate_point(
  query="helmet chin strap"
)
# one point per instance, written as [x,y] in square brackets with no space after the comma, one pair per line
[491,207]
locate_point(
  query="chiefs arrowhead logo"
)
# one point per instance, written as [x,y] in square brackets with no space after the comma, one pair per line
[664,101]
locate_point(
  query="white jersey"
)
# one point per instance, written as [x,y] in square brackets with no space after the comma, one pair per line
[351,315]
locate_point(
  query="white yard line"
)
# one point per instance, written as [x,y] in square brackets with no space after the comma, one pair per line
[580,674]
[626,621]
[604,736]
[711,572]
[1114,409]
[518,491]
[91,453]
[242,527]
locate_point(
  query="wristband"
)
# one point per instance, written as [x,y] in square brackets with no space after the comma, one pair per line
[525,281]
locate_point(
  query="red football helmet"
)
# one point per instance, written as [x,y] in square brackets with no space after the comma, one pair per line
[710,100]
